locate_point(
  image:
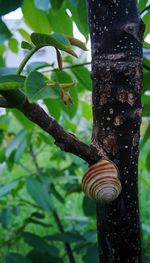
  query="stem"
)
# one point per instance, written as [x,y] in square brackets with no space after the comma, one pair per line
[67,245]
[145,9]
[68,67]
[55,214]
[35,160]
[25,60]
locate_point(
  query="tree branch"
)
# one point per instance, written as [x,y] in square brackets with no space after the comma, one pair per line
[66,141]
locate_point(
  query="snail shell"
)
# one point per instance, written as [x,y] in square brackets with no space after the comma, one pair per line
[101,182]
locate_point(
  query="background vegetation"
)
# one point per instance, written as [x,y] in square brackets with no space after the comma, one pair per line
[41,204]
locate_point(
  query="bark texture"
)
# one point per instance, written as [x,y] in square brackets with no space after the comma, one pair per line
[116,39]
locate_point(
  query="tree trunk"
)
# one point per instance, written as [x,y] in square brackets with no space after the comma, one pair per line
[116,32]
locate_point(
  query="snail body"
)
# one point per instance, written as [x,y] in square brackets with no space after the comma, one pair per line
[101,182]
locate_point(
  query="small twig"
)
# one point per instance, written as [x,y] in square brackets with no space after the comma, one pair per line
[145,9]
[25,60]
[35,160]
[67,67]
[55,214]
[67,245]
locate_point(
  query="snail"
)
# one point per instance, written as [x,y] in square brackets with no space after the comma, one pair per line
[101,182]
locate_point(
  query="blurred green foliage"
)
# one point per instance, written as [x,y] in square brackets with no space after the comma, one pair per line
[40,186]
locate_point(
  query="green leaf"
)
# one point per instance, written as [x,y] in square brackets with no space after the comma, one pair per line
[56,4]
[146,45]
[146,81]
[56,40]
[83,76]
[54,19]
[142,4]
[5,33]
[11,82]
[7,71]
[26,123]
[38,215]
[16,258]
[9,6]
[20,150]
[72,6]
[69,109]
[2,61]
[145,181]
[82,15]
[146,20]
[42,5]
[92,252]
[57,195]
[35,18]
[14,144]
[54,107]
[36,88]
[5,216]
[148,162]
[146,228]
[39,244]
[37,65]
[39,193]
[146,101]
[38,257]
[146,62]
[24,34]
[88,207]
[86,111]
[2,49]
[8,188]
[66,237]
[13,45]
[146,137]
[26,45]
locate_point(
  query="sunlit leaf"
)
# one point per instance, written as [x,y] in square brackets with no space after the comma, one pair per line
[35,18]
[13,45]
[24,34]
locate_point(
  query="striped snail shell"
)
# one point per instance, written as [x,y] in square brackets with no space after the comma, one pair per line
[101,182]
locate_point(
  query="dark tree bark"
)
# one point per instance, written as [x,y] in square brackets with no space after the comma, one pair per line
[116,39]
